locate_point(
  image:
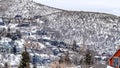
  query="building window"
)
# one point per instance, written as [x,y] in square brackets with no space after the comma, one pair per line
[115,61]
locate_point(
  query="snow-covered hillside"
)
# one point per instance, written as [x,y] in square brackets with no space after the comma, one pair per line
[100,31]
[27,8]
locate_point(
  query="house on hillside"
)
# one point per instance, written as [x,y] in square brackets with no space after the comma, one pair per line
[2,25]
[38,19]
[1,22]
[114,61]
[18,18]
[37,16]
[6,20]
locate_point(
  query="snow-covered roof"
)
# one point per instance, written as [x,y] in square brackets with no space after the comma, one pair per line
[11,59]
[14,59]
[20,43]
[12,25]
[1,20]
[42,45]
[109,67]
[5,39]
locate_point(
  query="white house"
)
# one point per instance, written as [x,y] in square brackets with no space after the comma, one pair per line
[1,20]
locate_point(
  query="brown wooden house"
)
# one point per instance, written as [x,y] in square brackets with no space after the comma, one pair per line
[114,61]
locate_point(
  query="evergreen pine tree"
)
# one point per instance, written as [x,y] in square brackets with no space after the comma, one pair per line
[88,58]
[67,59]
[5,65]
[18,34]
[61,59]
[25,60]
[34,61]
[0,37]
[74,45]
[14,49]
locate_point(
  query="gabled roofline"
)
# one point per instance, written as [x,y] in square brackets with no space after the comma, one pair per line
[114,54]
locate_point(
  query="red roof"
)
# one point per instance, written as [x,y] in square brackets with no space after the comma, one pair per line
[115,53]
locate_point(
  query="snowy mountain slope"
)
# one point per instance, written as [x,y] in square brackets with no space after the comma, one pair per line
[4,6]
[100,31]
[29,8]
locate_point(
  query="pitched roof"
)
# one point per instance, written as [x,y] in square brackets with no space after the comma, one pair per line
[115,54]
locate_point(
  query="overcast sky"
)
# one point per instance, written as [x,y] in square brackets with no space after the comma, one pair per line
[107,6]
